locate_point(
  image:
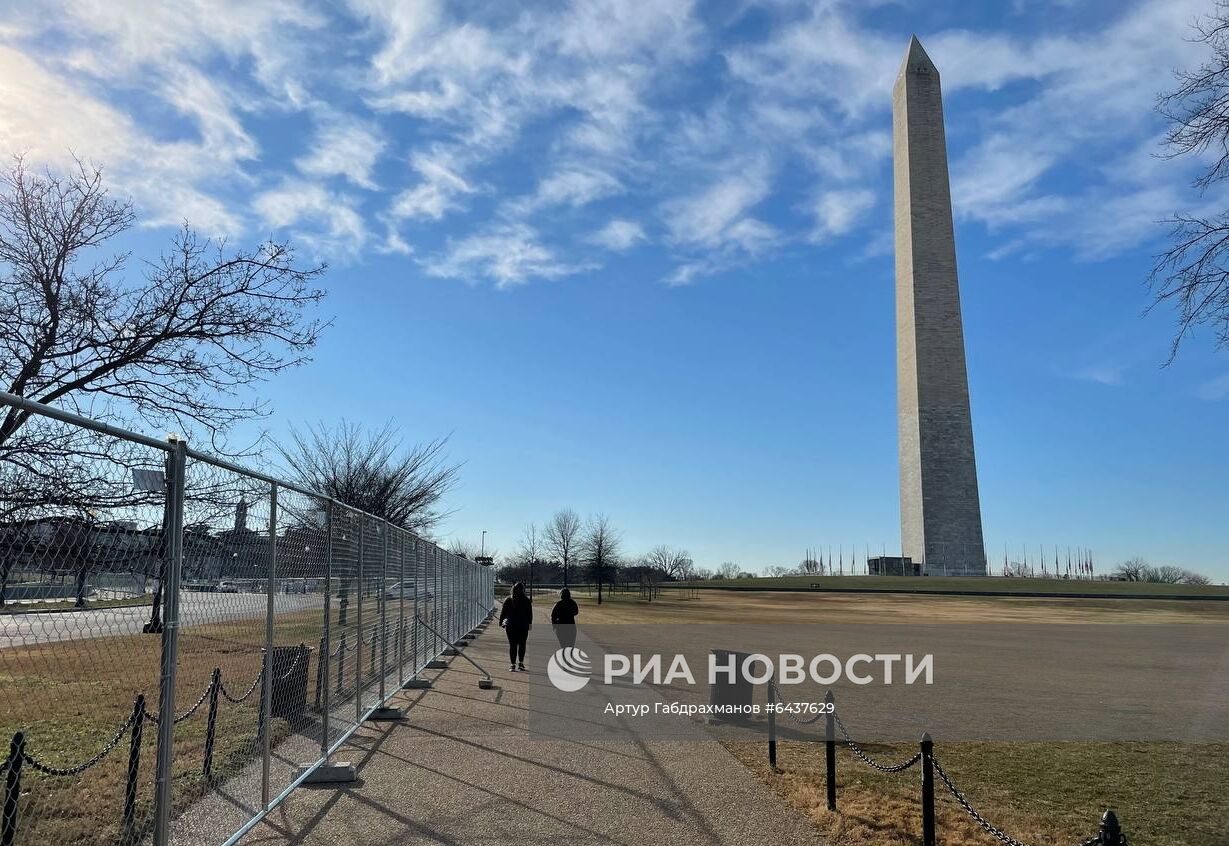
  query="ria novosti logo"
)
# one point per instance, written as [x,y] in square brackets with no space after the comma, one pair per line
[569,669]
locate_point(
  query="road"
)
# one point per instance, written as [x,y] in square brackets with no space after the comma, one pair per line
[195,609]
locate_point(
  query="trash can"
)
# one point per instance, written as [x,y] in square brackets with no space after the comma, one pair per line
[290,665]
[724,692]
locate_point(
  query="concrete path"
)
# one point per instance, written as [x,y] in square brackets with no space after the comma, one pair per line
[462,769]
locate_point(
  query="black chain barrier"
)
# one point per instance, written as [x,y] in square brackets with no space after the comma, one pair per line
[867,759]
[989,828]
[1110,833]
[19,756]
[80,768]
[155,718]
[241,699]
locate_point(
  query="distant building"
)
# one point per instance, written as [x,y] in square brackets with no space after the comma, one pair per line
[891,565]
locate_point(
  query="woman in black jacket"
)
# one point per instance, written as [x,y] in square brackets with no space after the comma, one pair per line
[563,618]
[516,616]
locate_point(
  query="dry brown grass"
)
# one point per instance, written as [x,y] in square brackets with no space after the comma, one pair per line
[1047,794]
[69,697]
[713,606]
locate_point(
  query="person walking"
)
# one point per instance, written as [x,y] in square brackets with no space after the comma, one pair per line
[563,618]
[516,617]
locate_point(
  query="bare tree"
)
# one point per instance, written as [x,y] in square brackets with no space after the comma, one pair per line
[1193,274]
[1133,570]
[530,552]
[727,570]
[601,551]
[172,347]
[561,538]
[374,472]
[676,563]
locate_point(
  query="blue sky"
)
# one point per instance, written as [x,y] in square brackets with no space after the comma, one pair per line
[637,257]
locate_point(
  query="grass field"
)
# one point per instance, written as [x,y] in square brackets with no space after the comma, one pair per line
[67,605]
[69,697]
[924,583]
[1051,794]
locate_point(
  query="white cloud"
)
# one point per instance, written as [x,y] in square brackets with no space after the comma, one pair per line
[709,218]
[344,146]
[1112,374]
[437,193]
[837,212]
[606,98]
[573,187]
[618,235]
[1214,389]
[323,219]
[508,254]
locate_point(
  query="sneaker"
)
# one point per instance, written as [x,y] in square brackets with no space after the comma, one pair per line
[521,667]
[512,667]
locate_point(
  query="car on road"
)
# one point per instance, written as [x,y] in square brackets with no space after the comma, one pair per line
[408,590]
[226,587]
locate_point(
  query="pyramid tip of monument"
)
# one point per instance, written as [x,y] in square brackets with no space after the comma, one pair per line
[915,56]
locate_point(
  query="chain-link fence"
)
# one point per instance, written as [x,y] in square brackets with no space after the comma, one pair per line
[183,641]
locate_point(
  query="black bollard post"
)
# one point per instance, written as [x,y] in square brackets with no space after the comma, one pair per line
[211,726]
[1111,831]
[830,749]
[12,789]
[134,768]
[772,726]
[928,791]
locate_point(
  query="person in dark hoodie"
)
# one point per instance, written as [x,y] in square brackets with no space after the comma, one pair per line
[563,618]
[516,616]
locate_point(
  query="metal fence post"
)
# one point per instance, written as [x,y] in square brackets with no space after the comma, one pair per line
[419,579]
[266,702]
[435,601]
[401,611]
[358,633]
[830,749]
[928,791]
[383,605]
[326,649]
[170,641]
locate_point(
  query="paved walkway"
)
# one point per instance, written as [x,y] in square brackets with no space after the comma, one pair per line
[462,769]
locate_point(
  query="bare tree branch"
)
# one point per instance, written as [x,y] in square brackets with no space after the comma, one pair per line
[1191,274]
[372,472]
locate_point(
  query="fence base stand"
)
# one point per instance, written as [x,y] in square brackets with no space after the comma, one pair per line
[386,715]
[338,772]
[485,684]
[417,684]
[451,650]
[437,664]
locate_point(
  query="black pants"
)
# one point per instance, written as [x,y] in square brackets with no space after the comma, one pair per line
[517,635]
[566,634]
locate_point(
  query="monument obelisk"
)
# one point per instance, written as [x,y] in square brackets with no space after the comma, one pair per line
[940,513]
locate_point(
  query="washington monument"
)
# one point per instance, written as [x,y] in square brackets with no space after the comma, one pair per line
[940,514]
